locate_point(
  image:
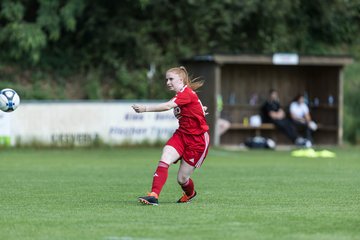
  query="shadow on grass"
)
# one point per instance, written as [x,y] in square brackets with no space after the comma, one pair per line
[137,203]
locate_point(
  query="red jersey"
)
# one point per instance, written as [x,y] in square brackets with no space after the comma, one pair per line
[190,112]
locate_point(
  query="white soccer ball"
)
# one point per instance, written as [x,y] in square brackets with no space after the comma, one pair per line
[9,100]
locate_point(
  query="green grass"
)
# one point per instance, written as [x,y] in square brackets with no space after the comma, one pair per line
[92,194]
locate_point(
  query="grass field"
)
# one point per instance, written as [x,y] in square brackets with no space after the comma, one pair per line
[92,194]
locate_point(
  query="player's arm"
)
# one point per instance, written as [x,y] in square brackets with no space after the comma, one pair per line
[205,108]
[154,108]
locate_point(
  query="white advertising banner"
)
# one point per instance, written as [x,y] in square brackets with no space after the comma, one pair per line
[83,123]
[5,129]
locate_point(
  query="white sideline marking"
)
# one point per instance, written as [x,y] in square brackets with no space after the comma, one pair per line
[127,238]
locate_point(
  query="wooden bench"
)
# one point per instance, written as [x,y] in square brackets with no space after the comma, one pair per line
[264,126]
[271,126]
[271,131]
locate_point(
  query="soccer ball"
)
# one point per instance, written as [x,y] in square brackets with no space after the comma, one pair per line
[9,100]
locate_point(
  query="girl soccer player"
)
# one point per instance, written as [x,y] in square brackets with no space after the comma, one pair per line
[189,143]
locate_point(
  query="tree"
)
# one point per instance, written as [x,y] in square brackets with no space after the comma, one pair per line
[116,41]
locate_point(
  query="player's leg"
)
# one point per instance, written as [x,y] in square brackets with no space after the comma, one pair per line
[193,157]
[169,156]
[184,173]
[186,182]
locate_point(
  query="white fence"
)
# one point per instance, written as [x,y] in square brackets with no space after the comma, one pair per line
[83,123]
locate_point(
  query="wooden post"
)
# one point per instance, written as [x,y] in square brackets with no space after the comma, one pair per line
[340,106]
[217,91]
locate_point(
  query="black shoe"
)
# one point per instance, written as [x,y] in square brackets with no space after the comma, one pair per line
[150,199]
[185,198]
[303,142]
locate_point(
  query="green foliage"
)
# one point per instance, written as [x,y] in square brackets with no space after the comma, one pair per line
[27,38]
[12,11]
[118,40]
[93,85]
[70,11]
[56,49]
[25,34]
[48,18]
[132,83]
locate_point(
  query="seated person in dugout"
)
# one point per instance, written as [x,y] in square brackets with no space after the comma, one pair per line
[300,115]
[222,123]
[272,112]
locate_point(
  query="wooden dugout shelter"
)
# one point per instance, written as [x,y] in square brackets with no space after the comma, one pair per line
[244,81]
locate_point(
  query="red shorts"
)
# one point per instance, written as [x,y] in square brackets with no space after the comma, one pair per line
[192,148]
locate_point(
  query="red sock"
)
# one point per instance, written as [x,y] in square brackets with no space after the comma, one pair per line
[188,187]
[160,177]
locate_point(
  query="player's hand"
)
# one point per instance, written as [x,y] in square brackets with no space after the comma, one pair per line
[205,110]
[139,108]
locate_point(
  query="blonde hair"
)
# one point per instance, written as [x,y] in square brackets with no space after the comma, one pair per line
[192,83]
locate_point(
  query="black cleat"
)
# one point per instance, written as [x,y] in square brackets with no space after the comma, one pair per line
[150,199]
